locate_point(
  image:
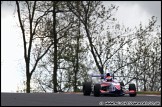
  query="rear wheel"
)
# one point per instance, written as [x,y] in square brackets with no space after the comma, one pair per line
[132,87]
[87,89]
[97,89]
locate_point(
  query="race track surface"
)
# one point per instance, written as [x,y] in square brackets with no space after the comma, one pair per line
[71,99]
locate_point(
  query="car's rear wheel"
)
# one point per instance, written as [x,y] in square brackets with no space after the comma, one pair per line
[132,87]
[97,89]
[87,88]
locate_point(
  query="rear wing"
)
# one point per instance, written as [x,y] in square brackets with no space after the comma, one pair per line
[99,75]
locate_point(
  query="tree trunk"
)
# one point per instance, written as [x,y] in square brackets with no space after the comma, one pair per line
[144,85]
[153,78]
[144,62]
[28,84]
[77,64]
[137,78]
[75,81]
[100,68]
[144,80]
[77,57]
[137,83]
[28,77]
[55,50]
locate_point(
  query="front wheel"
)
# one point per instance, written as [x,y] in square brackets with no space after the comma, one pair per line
[97,89]
[87,89]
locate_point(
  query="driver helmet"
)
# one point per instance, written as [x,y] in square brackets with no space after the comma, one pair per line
[109,78]
[108,74]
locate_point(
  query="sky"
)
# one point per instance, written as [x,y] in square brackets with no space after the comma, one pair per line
[11,50]
[130,13]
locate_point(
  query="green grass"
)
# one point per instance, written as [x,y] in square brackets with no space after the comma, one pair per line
[149,92]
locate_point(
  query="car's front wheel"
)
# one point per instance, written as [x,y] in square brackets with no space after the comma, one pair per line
[87,89]
[97,89]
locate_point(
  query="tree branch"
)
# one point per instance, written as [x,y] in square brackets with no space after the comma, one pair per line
[23,31]
[40,58]
[98,55]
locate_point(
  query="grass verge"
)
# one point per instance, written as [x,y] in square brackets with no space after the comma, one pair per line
[150,92]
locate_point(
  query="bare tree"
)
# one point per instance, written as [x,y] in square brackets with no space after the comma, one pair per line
[86,12]
[29,22]
[58,25]
[142,51]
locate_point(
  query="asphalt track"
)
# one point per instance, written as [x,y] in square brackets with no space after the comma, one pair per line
[71,99]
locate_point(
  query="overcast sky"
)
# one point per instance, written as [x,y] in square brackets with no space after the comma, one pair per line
[130,13]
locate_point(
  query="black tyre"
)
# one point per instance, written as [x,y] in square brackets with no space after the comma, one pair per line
[132,87]
[87,89]
[97,88]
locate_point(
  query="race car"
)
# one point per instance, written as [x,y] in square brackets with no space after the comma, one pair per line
[107,87]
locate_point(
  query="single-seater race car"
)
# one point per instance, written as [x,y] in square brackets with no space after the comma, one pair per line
[107,86]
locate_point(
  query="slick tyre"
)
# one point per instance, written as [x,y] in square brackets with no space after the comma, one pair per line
[97,88]
[87,89]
